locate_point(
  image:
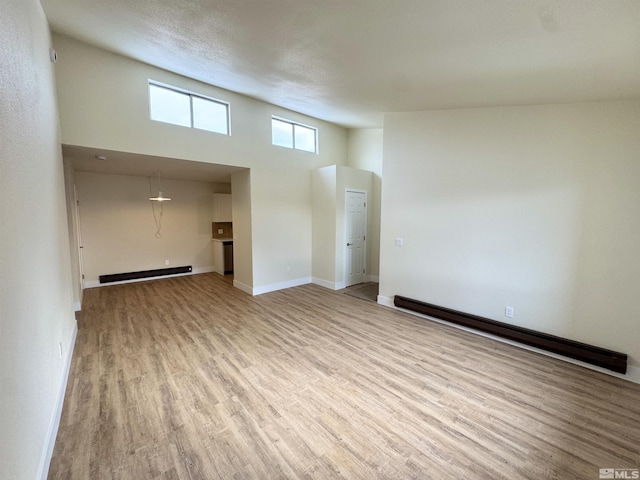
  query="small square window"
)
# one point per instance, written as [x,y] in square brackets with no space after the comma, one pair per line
[172,105]
[169,106]
[282,133]
[285,133]
[304,138]
[208,115]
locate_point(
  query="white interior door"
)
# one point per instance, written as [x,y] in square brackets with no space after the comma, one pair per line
[356,229]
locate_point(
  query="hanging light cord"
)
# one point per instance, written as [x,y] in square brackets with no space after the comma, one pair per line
[157,217]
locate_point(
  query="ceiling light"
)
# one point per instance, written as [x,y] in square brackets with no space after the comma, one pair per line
[160,197]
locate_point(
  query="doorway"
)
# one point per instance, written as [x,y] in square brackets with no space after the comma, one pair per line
[355,233]
[79,240]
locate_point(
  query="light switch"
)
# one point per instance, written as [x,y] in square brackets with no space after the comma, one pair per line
[399,242]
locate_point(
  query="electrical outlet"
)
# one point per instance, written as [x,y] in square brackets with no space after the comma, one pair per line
[220,231]
[166,262]
[508,312]
[399,242]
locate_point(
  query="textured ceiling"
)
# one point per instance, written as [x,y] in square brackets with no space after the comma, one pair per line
[350,61]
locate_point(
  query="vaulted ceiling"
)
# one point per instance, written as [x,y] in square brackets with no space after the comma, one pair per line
[350,61]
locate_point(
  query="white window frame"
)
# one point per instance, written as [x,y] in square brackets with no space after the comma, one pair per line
[191,95]
[293,140]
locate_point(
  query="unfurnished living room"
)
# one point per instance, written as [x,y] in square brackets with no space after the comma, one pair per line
[319,239]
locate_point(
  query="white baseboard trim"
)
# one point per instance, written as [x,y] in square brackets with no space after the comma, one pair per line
[323,283]
[386,301]
[328,284]
[633,374]
[281,285]
[241,286]
[195,271]
[77,306]
[633,371]
[372,278]
[54,423]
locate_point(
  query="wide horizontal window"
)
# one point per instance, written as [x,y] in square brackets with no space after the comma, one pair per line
[172,105]
[286,133]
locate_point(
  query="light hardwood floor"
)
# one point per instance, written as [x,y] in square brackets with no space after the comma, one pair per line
[189,378]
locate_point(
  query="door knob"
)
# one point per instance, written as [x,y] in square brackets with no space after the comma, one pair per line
[349,244]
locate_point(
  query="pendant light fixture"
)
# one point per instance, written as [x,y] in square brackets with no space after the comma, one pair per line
[160,197]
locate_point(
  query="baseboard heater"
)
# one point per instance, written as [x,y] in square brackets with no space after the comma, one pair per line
[160,272]
[601,357]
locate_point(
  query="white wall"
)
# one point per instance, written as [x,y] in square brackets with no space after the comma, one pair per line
[365,147]
[103,103]
[281,225]
[69,185]
[36,300]
[243,238]
[329,241]
[532,207]
[119,229]
[324,226]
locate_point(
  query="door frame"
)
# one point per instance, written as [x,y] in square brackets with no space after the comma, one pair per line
[79,240]
[345,240]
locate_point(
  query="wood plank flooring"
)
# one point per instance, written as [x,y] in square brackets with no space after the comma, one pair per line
[189,378]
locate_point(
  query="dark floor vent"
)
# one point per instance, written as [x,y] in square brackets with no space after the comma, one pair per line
[601,357]
[119,277]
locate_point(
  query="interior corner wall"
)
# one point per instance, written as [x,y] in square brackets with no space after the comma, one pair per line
[324,226]
[222,188]
[36,300]
[122,231]
[69,185]
[242,236]
[103,100]
[281,227]
[329,195]
[532,207]
[365,148]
